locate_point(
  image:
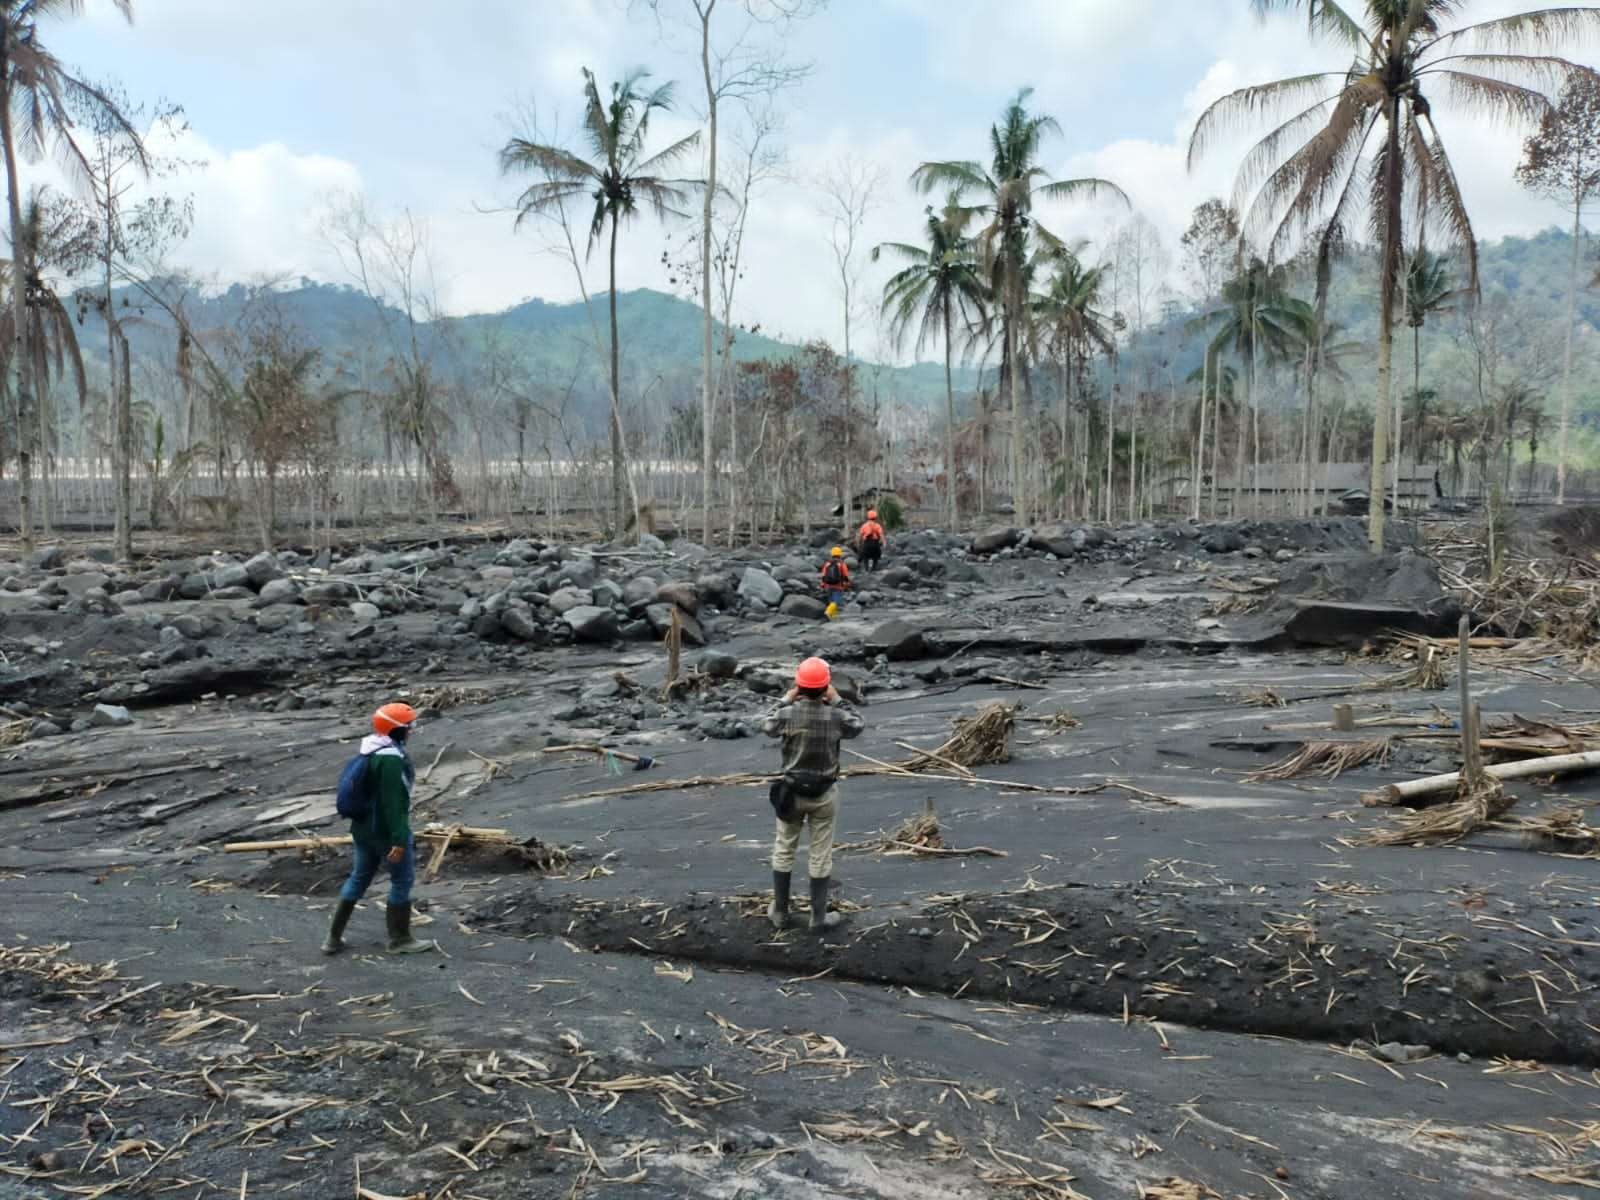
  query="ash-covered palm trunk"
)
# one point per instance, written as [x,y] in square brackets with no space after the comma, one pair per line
[951,482]
[616,398]
[1392,198]
[21,260]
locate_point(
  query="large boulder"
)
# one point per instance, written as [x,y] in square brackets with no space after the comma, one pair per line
[77,585]
[195,586]
[803,606]
[660,618]
[262,569]
[110,714]
[230,575]
[279,591]
[278,616]
[758,587]
[328,591]
[639,592]
[591,623]
[899,640]
[1222,541]
[1001,537]
[718,665]
[46,558]
[563,600]
[682,594]
[517,620]
[715,587]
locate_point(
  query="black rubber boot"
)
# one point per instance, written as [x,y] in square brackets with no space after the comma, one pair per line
[778,910]
[398,917]
[341,918]
[821,919]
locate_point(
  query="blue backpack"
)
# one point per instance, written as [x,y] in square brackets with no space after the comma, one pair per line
[354,800]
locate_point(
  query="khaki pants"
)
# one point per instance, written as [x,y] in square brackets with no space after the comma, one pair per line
[819,814]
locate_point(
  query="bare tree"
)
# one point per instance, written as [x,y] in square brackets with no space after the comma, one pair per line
[1562,161]
[118,157]
[1210,249]
[849,192]
[390,260]
[743,65]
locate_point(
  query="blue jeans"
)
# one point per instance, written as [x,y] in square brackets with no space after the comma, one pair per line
[369,857]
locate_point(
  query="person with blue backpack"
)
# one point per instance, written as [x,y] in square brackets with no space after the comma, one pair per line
[375,797]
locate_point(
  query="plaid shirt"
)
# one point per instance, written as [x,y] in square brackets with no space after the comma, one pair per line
[811,732]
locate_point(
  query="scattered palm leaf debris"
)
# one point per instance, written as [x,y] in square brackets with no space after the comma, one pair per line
[49,963]
[449,696]
[14,733]
[611,759]
[1178,1189]
[1565,828]
[919,836]
[498,845]
[1263,698]
[1329,759]
[978,741]
[1441,824]
[1055,723]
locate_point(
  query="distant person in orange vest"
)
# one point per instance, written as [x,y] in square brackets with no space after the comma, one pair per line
[835,575]
[869,541]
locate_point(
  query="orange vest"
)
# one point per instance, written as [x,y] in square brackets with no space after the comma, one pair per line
[870,530]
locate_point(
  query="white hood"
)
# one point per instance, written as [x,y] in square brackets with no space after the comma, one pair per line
[375,742]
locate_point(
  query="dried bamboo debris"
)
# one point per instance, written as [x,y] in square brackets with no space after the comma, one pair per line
[1329,759]
[1473,809]
[978,741]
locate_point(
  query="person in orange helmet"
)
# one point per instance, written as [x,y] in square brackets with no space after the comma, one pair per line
[811,720]
[375,795]
[835,577]
[870,540]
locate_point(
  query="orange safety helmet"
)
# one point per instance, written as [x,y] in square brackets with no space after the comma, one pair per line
[393,716]
[872,514]
[837,552]
[813,675]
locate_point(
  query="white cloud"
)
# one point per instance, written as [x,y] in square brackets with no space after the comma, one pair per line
[407,93]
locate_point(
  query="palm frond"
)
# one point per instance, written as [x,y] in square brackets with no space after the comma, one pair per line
[1452,207]
[957,176]
[669,157]
[1242,107]
[560,165]
[1541,29]
[1505,102]
[1322,16]
[1082,189]
[1295,194]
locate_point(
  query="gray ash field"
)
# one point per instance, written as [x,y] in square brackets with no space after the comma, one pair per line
[1127,970]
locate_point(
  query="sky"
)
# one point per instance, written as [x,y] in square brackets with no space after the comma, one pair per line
[294,103]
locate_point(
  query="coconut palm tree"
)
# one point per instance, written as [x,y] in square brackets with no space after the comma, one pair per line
[1430,290]
[35,93]
[1004,194]
[1364,134]
[1068,315]
[1257,318]
[940,283]
[618,178]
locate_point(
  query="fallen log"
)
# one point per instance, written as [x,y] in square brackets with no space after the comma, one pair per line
[1434,785]
[462,833]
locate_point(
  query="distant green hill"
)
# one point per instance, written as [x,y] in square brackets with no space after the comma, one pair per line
[547,351]
[538,348]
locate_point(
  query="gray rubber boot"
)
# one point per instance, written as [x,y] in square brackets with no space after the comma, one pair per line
[341,918]
[398,917]
[778,910]
[821,919]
